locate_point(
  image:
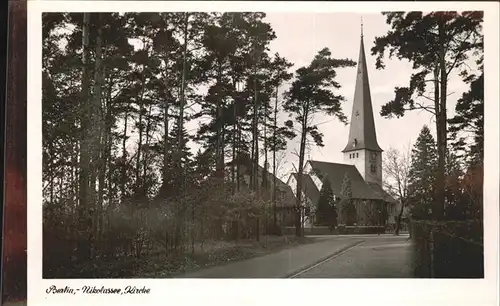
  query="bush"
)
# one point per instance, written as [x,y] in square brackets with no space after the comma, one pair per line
[348,214]
[452,249]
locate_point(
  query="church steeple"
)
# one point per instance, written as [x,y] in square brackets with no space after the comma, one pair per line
[362,134]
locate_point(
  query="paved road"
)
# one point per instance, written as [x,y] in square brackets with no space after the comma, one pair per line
[381,256]
[281,264]
[378,256]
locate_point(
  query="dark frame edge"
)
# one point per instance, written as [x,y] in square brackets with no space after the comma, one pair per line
[14,255]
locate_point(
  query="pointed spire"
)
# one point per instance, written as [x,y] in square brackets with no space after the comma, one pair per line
[362,133]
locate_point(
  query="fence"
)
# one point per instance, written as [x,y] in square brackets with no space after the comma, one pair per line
[452,249]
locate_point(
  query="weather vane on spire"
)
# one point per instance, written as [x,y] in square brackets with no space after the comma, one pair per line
[361,26]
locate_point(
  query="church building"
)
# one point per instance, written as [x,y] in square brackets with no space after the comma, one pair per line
[362,163]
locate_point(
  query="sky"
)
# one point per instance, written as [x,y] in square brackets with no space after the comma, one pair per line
[301,35]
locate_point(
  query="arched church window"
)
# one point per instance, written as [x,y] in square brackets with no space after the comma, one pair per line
[357,155]
[373,168]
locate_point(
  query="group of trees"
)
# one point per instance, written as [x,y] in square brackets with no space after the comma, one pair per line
[444,179]
[119,92]
[463,182]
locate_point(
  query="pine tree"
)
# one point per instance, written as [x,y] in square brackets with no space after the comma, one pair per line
[310,94]
[182,159]
[469,117]
[437,44]
[326,210]
[85,196]
[455,207]
[422,175]
[347,210]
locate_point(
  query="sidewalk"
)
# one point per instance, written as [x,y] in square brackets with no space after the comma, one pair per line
[278,265]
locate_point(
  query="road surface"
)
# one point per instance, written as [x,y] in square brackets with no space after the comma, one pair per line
[353,256]
[381,256]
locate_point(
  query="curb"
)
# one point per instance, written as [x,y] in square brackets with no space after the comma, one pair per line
[325,258]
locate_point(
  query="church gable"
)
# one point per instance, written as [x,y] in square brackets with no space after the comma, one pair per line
[335,173]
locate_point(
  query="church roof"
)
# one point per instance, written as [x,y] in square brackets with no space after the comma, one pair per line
[309,187]
[336,172]
[286,197]
[362,134]
[378,189]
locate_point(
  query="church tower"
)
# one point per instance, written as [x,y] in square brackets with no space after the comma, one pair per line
[362,149]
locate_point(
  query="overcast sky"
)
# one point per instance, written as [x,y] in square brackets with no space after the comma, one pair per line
[301,35]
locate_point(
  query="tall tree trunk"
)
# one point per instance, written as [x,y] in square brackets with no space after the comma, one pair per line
[109,179]
[145,166]
[437,106]
[51,187]
[84,198]
[102,135]
[303,138]
[219,152]
[255,136]
[180,141]
[192,228]
[266,162]
[166,158]
[275,126]
[234,136]
[108,146]
[166,152]
[234,161]
[123,176]
[252,156]
[438,210]
[265,171]
[76,179]
[238,165]
[138,181]
[398,220]
[148,128]
[96,128]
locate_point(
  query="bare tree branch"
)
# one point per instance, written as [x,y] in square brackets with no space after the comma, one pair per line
[396,167]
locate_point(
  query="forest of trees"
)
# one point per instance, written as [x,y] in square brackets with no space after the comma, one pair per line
[119,177]
[120,89]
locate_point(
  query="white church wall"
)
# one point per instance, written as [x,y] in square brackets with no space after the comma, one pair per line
[292,183]
[369,175]
[358,159]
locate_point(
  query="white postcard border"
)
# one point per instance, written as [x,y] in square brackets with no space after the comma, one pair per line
[263,292]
